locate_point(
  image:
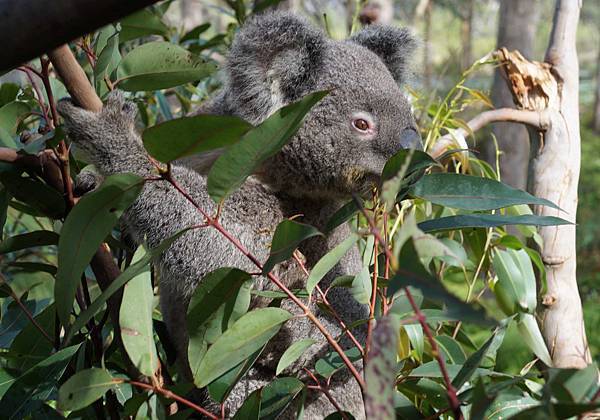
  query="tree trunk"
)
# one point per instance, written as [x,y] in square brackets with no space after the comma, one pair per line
[424,10]
[516,31]
[596,117]
[466,34]
[555,172]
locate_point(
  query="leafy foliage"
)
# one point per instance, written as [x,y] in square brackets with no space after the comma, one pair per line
[444,279]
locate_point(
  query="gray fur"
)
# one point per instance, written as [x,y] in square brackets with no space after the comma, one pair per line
[275,59]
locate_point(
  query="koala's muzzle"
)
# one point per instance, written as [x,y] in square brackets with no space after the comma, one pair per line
[411,139]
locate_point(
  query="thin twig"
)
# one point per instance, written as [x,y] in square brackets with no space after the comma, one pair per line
[173,396]
[451,391]
[327,304]
[274,279]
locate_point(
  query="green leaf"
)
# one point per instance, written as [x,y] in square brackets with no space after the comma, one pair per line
[530,332]
[332,362]
[288,235]
[108,58]
[420,160]
[362,286]
[132,271]
[380,371]
[243,158]
[215,289]
[83,388]
[509,406]
[250,409]
[473,362]
[135,319]
[464,221]
[292,353]
[28,240]
[160,65]
[277,395]
[30,346]
[187,136]
[412,273]
[472,192]
[38,195]
[12,114]
[195,33]
[573,385]
[432,370]
[220,388]
[345,213]
[329,261]
[451,350]
[515,289]
[8,92]
[140,24]
[243,338]
[415,335]
[28,392]
[86,226]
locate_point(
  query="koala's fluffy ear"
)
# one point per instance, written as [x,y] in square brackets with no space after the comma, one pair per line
[274,60]
[393,45]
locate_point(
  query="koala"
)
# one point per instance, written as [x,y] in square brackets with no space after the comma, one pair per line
[340,150]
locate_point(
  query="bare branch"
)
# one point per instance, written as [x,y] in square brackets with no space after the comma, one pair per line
[35,27]
[537,120]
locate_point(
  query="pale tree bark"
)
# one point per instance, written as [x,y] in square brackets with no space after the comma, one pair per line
[516,31]
[423,12]
[555,175]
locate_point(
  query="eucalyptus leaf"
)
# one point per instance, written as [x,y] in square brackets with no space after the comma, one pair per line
[83,388]
[244,337]
[28,240]
[86,226]
[328,261]
[464,221]
[160,65]
[187,136]
[243,158]
[292,353]
[288,235]
[472,192]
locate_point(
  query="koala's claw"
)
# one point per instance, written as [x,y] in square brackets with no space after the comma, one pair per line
[87,180]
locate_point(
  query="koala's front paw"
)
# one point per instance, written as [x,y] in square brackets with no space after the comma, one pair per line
[118,109]
[87,180]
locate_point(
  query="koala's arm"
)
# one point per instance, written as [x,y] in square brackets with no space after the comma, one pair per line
[113,146]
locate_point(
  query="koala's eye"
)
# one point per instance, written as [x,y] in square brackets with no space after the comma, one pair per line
[361,124]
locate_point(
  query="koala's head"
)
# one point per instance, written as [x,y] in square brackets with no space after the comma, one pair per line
[348,136]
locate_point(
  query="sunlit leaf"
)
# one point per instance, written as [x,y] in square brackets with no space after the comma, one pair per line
[515,289]
[140,24]
[332,362]
[531,334]
[160,65]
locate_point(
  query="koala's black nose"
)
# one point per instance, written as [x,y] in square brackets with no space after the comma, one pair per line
[411,139]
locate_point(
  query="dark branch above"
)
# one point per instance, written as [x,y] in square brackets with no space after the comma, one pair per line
[35,27]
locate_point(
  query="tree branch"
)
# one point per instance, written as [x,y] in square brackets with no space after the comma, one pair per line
[38,26]
[537,120]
